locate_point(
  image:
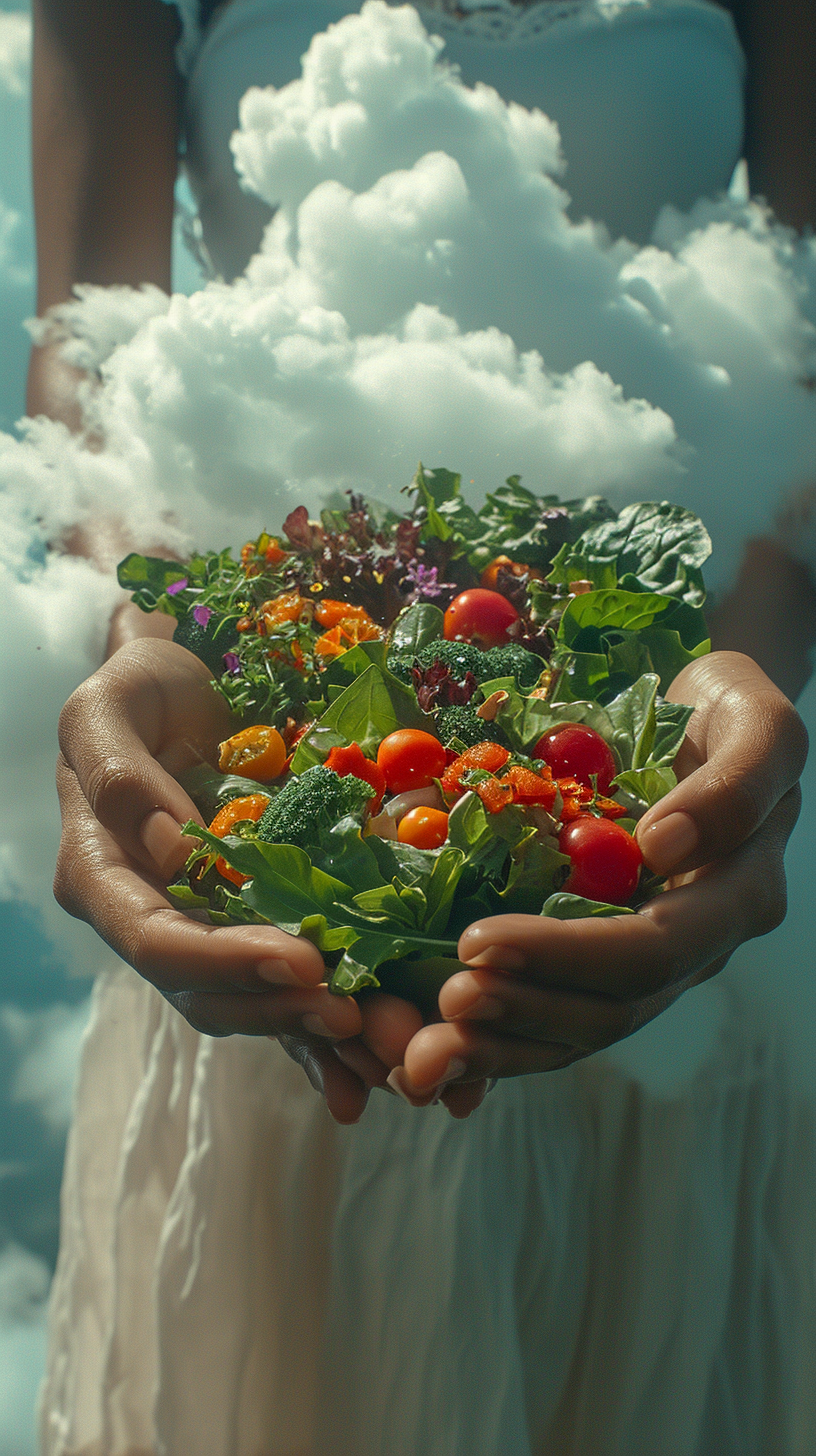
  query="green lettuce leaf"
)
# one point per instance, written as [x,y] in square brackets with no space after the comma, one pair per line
[662,544]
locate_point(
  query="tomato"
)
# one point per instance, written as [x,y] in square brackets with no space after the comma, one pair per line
[424,828]
[285,608]
[274,554]
[330,613]
[605,859]
[579,752]
[479,616]
[352,760]
[258,753]
[410,759]
[251,807]
[490,574]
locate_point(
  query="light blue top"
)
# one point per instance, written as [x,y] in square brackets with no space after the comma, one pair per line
[647,94]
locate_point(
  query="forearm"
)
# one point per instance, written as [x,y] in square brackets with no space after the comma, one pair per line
[770,615]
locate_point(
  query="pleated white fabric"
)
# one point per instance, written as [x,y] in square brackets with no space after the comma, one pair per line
[585,1266]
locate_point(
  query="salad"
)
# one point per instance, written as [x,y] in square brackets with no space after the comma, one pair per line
[445,714]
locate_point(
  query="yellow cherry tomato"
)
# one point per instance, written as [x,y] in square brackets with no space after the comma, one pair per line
[258,753]
[423,828]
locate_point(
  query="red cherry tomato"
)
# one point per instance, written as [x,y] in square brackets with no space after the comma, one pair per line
[481,617]
[424,828]
[410,759]
[576,751]
[605,859]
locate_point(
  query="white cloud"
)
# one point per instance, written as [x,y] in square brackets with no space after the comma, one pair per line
[15,48]
[47,1043]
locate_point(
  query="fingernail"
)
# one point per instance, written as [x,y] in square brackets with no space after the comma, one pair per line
[313,1072]
[316,1026]
[161,837]
[669,842]
[499,957]
[484,1008]
[455,1068]
[277,971]
[398,1083]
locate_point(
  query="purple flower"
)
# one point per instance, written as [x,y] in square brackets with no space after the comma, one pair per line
[425,580]
[177,586]
[202,615]
[232,662]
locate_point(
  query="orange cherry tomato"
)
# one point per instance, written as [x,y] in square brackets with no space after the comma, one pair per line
[330,613]
[274,554]
[285,608]
[251,807]
[410,759]
[352,760]
[490,575]
[258,753]
[423,828]
[479,616]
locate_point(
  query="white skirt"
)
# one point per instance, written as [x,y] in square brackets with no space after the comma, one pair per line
[585,1267]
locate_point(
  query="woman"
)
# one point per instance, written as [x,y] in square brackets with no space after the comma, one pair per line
[380,1296]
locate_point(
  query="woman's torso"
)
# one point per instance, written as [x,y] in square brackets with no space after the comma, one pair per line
[647,95]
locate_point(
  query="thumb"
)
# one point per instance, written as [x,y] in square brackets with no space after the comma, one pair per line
[745,750]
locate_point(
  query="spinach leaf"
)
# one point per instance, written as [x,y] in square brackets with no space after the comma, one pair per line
[646,785]
[662,544]
[372,706]
[670,730]
[603,611]
[435,488]
[563,906]
[148,578]
[415,628]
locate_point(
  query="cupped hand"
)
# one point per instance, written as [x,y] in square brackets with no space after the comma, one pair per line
[538,994]
[146,716]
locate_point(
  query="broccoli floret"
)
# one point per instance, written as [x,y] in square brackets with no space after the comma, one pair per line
[462,723]
[310,804]
[513,660]
[457,657]
[401,666]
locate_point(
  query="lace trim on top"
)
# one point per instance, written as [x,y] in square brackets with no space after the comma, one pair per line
[515,21]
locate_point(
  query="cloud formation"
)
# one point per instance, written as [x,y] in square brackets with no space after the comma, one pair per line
[420,292]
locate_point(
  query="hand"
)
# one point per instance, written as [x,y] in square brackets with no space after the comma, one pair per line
[539,994]
[149,714]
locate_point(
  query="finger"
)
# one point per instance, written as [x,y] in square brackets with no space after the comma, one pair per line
[670,940]
[745,750]
[95,881]
[461,1099]
[456,1054]
[148,713]
[345,1094]
[278,1012]
[507,1006]
[389,1022]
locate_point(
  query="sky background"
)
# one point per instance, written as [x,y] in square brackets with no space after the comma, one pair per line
[43,1008]
[43,1001]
